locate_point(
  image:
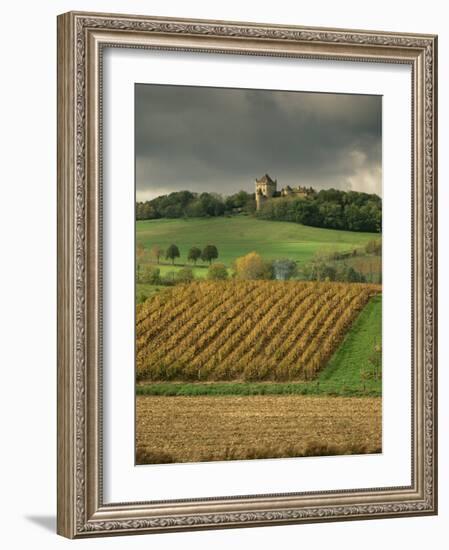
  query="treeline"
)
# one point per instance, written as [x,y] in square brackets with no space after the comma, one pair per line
[185,204]
[207,254]
[330,208]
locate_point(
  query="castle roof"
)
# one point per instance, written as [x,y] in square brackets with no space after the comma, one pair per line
[266,179]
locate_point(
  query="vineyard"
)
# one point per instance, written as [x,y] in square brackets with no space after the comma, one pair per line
[248,330]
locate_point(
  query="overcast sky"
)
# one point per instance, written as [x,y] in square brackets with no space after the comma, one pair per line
[220,140]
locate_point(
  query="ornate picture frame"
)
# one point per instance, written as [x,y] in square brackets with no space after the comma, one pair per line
[82,38]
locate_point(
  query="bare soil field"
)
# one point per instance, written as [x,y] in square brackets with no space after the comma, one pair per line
[207,428]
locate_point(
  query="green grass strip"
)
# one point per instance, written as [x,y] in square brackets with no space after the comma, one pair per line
[352,356]
[253,388]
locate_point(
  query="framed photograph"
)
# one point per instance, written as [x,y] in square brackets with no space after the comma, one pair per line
[247,274]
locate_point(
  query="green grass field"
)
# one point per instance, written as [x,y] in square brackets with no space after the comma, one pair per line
[200,271]
[341,377]
[344,367]
[239,235]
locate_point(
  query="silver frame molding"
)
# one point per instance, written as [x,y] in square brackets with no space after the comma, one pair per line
[81,39]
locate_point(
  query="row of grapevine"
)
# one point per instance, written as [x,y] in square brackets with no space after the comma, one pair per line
[181,324]
[253,330]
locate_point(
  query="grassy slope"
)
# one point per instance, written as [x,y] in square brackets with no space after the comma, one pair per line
[344,367]
[239,235]
[340,377]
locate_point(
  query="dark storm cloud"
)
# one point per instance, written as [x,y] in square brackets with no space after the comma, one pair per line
[220,140]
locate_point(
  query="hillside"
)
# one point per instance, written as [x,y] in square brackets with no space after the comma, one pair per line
[238,235]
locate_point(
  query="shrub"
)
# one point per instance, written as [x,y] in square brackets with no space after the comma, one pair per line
[252,266]
[217,272]
[336,271]
[320,271]
[348,274]
[374,247]
[169,278]
[149,274]
[284,269]
[184,275]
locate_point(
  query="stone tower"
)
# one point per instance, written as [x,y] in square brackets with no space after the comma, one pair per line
[265,189]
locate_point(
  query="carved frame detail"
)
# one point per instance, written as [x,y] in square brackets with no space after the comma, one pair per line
[81,39]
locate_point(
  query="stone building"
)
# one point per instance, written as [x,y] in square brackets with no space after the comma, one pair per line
[299,191]
[266,188]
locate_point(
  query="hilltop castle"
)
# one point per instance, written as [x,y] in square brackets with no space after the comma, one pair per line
[266,188]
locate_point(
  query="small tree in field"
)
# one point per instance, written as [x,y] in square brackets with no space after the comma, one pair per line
[156,252]
[194,254]
[209,253]
[217,272]
[172,253]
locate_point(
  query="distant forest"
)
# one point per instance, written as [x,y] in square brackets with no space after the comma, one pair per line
[330,208]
